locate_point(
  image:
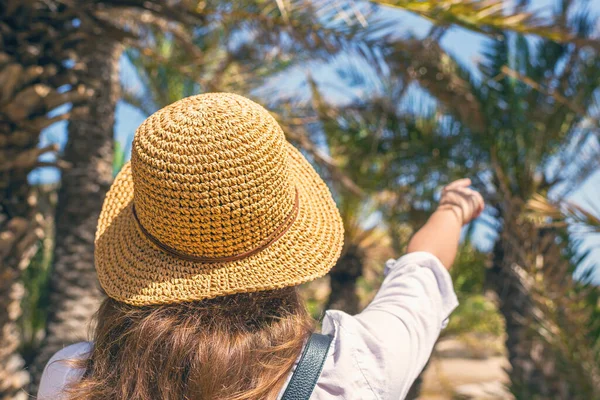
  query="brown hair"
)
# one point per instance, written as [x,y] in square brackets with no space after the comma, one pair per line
[241,346]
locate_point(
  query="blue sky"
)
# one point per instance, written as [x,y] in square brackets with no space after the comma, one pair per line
[464,45]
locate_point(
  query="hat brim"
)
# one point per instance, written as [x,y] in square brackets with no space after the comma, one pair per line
[131,269]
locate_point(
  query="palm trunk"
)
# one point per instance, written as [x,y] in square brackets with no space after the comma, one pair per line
[30,72]
[20,233]
[19,236]
[74,290]
[517,255]
[343,278]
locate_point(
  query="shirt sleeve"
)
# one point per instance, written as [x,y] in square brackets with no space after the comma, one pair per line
[58,373]
[390,342]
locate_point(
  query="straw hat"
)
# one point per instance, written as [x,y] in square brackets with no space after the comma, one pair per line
[214,201]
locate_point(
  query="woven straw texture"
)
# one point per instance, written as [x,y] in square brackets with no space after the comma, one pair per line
[212,176]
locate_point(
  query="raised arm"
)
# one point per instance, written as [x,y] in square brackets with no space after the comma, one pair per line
[459,205]
[393,337]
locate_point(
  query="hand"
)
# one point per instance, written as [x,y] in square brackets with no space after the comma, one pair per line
[466,203]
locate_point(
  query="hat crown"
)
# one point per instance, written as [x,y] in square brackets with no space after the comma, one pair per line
[211,176]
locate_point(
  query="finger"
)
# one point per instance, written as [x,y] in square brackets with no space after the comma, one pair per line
[480,199]
[470,195]
[479,204]
[466,192]
[464,182]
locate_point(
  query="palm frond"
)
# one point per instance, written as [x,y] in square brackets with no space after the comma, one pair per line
[451,84]
[544,212]
[484,16]
[570,103]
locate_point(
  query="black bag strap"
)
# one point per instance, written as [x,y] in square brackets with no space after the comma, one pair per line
[308,370]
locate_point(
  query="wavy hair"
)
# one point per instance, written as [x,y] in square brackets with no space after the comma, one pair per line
[234,347]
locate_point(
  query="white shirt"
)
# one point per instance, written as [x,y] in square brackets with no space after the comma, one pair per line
[376,354]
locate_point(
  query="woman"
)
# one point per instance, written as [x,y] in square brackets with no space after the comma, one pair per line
[201,243]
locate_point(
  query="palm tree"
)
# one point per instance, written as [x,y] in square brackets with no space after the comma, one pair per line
[74,290]
[578,301]
[353,135]
[31,71]
[528,120]
[394,160]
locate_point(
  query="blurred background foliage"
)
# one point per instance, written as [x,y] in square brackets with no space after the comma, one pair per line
[386,117]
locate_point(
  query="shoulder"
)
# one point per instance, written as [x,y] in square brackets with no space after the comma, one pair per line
[378,353]
[58,373]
